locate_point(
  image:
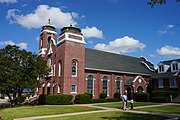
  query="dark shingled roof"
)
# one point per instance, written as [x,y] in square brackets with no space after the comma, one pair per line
[105,61]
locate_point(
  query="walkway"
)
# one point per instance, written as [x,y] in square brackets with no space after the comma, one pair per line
[106,109]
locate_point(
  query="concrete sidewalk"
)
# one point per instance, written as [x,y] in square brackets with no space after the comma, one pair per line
[106,109]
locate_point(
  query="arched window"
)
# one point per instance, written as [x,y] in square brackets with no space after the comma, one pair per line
[140,89]
[105,85]
[74,68]
[118,85]
[60,68]
[90,84]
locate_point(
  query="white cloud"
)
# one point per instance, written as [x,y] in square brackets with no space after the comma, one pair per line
[41,15]
[8,1]
[169,51]
[10,42]
[92,32]
[167,29]
[121,45]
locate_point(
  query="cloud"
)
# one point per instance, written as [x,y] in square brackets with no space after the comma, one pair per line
[8,1]
[169,51]
[10,42]
[40,16]
[121,45]
[92,32]
[167,29]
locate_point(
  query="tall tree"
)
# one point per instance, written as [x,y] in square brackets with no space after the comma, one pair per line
[153,2]
[19,70]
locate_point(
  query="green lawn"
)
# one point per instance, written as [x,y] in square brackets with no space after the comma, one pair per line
[119,104]
[28,111]
[170,109]
[109,116]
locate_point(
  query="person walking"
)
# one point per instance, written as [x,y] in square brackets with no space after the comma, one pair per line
[131,103]
[124,99]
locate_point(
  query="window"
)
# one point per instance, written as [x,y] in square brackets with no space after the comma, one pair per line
[60,67]
[174,66]
[118,85]
[105,85]
[161,68]
[173,83]
[161,83]
[90,84]
[140,89]
[73,89]
[74,68]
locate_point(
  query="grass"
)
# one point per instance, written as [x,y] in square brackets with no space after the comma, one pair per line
[119,105]
[29,111]
[169,109]
[109,116]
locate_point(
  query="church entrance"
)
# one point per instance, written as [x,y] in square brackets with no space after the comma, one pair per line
[129,93]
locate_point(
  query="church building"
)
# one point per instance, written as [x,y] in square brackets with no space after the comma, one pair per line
[75,69]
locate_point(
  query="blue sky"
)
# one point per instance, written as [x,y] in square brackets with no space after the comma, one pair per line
[128,27]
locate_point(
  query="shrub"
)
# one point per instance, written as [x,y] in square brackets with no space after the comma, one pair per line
[58,99]
[103,95]
[41,99]
[90,94]
[117,95]
[112,99]
[141,97]
[82,99]
[55,99]
[160,99]
[164,94]
[101,100]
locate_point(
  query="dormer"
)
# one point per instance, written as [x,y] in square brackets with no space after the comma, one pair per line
[175,66]
[162,68]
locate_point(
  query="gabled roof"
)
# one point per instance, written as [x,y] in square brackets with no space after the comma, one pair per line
[168,62]
[111,62]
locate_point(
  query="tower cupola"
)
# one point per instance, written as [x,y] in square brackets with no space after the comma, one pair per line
[48,26]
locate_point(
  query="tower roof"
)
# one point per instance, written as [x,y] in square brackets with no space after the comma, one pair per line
[71,29]
[48,26]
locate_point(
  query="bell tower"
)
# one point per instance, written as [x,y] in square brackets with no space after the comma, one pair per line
[71,45]
[48,30]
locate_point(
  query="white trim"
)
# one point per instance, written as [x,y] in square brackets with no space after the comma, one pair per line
[115,71]
[43,85]
[49,84]
[66,38]
[75,89]
[147,66]
[49,31]
[59,89]
[76,68]
[137,78]
[43,51]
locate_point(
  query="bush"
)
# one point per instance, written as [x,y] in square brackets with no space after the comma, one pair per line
[112,100]
[160,99]
[41,99]
[164,94]
[82,99]
[103,95]
[117,95]
[90,94]
[141,97]
[101,100]
[55,99]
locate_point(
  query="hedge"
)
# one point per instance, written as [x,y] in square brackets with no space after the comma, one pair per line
[117,95]
[141,97]
[103,95]
[90,94]
[82,99]
[164,94]
[102,100]
[55,99]
[160,99]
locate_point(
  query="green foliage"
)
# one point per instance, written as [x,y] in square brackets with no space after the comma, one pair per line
[82,99]
[103,95]
[112,99]
[164,94]
[154,2]
[55,99]
[141,97]
[101,100]
[160,99]
[117,95]
[22,98]
[90,94]
[19,69]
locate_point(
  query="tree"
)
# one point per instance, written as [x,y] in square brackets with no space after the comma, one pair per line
[19,69]
[153,2]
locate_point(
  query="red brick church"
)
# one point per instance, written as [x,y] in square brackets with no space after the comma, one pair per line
[75,69]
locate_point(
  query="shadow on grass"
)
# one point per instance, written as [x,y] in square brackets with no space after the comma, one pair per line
[132,116]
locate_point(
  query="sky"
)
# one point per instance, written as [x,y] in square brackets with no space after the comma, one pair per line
[127,27]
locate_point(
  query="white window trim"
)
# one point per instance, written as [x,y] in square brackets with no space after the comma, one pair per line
[54,69]
[76,68]
[93,82]
[174,63]
[59,73]
[161,86]
[174,80]
[75,90]
[59,89]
